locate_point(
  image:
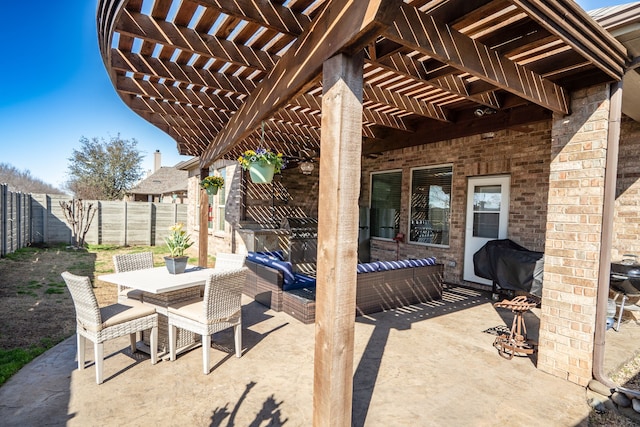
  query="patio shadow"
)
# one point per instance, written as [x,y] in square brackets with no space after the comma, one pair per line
[366,374]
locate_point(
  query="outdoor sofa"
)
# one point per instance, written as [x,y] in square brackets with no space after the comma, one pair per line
[381,285]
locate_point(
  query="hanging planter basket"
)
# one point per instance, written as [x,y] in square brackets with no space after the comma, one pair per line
[261,173]
[211,184]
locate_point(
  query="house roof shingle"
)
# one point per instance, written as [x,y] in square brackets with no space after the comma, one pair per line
[165,180]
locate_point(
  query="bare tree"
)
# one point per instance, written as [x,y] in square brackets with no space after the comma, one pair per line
[104,170]
[78,219]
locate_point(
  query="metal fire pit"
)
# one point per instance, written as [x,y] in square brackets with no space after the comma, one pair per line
[515,343]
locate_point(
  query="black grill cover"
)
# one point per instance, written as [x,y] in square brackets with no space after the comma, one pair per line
[510,266]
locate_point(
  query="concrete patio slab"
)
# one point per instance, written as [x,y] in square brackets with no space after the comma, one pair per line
[426,365]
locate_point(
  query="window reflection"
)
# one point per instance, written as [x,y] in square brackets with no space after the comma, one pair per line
[385,204]
[430,205]
[486,211]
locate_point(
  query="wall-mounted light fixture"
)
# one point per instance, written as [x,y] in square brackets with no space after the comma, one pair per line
[479,112]
[306,168]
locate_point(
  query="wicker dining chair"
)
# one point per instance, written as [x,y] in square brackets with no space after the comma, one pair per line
[102,324]
[227,261]
[220,309]
[131,262]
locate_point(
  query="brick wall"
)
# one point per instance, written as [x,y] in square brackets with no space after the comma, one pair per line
[574,224]
[524,156]
[626,226]
[291,194]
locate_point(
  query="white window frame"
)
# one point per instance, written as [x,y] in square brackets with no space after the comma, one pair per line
[446,227]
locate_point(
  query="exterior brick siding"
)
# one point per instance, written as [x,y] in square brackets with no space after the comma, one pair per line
[626,226]
[524,156]
[574,224]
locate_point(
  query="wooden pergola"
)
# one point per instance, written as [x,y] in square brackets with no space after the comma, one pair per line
[348,78]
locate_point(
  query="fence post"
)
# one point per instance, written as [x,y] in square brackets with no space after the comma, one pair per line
[152,220]
[3,220]
[12,220]
[45,220]
[126,219]
[19,197]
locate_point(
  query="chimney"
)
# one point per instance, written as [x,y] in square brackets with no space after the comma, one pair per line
[157,160]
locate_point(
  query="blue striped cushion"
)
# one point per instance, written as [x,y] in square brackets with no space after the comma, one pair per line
[258,258]
[388,265]
[368,267]
[422,262]
[285,267]
[301,281]
[273,254]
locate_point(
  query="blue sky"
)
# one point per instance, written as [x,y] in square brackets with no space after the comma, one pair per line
[56,90]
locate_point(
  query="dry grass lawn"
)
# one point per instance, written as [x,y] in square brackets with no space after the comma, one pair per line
[35,304]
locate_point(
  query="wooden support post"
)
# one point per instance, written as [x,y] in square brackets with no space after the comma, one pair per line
[341,147]
[203,235]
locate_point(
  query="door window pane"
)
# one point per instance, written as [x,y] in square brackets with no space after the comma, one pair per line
[487,201]
[385,204]
[430,205]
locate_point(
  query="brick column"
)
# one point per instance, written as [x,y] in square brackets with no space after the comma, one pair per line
[574,224]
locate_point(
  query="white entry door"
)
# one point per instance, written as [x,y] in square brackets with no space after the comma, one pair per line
[487,218]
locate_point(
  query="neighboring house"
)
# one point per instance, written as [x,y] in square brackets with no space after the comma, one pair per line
[163,185]
[537,167]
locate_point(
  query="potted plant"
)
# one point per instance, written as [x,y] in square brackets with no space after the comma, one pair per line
[178,241]
[212,184]
[261,164]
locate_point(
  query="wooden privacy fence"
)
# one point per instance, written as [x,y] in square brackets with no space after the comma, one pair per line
[39,219]
[15,211]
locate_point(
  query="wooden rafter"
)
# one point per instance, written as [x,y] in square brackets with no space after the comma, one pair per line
[444,81]
[345,24]
[439,131]
[188,40]
[574,26]
[199,63]
[264,13]
[436,39]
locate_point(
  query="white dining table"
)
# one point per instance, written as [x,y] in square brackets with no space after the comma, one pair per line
[158,280]
[161,289]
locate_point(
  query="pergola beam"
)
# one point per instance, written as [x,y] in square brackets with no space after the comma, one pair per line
[341,25]
[264,13]
[187,40]
[409,67]
[439,132]
[144,64]
[406,103]
[433,38]
[578,30]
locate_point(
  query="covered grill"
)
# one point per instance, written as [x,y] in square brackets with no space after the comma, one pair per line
[303,241]
[625,276]
[510,266]
[625,279]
